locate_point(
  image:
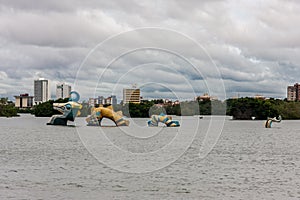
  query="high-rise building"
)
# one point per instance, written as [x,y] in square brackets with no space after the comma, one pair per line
[297,88]
[24,101]
[101,100]
[293,92]
[41,90]
[113,99]
[62,91]
[132,95]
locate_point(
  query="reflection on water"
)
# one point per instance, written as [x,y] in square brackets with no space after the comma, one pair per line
[51,162]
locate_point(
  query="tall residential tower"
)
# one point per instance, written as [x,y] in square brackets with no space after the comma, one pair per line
[293,92]
[132,95]
[41,91]
[62,91]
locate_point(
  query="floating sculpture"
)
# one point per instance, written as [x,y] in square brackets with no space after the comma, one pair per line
[106,112]
[155,119]
[269,121]
[69,111]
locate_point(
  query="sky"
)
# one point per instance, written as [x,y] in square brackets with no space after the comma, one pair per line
[169,49]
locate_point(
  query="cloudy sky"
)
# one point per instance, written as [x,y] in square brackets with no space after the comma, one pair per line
[170,49]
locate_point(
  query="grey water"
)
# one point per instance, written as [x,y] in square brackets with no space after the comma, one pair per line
[246,161]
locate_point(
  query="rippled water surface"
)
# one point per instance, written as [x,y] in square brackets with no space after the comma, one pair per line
[54,162]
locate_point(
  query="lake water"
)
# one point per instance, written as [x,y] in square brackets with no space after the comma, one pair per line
[247,161]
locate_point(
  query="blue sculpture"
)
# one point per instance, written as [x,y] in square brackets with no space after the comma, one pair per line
[69,111]
[155,119]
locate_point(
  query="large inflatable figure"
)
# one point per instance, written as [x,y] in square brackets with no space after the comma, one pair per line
[269,121]
[155,119]
[69,111]
[106,112]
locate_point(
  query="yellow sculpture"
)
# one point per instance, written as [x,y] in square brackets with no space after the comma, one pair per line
[99,113]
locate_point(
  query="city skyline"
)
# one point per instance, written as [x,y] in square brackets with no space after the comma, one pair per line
[130,94]
[254,46]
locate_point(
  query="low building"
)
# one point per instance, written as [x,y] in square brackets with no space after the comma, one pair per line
[177,102]
[111,100]
[92,102]
[108,100]
[100,100]
[24,101]
[204,97]
[258,96]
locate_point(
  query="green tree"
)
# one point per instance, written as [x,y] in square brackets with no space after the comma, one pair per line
[245,108]
[46,109]
[85,110]
[8,110]
[205,107]
[3,100]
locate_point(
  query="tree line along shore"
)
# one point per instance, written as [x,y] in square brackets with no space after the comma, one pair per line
[241,109]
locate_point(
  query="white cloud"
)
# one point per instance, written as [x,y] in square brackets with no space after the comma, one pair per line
[3,75]
[253,43]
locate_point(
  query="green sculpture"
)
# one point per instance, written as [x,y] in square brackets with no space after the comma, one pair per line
[69,111]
